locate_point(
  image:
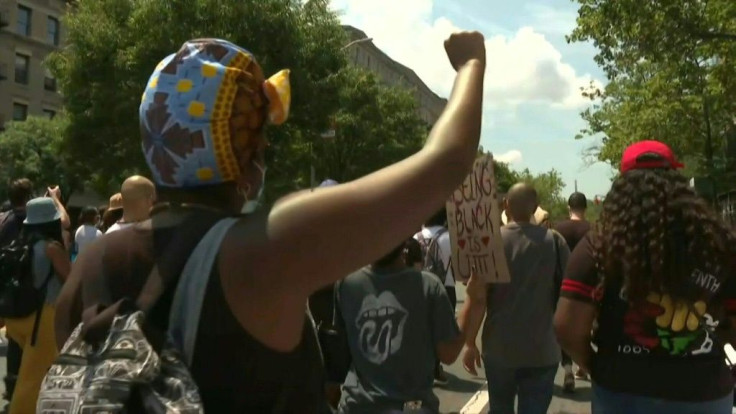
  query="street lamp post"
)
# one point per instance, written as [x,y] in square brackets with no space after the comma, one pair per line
[354,42]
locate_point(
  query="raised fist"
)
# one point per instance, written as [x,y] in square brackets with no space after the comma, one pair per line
[54,192]
[463,47]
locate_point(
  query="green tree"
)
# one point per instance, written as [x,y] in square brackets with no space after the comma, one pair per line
[32,149]
[376,126]
[549,186]
[114,45]
[671,75]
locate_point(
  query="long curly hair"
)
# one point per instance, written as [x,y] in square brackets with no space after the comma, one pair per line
[654,231]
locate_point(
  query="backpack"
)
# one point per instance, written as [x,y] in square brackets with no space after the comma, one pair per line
[431,251]
[116,362]
[19,297]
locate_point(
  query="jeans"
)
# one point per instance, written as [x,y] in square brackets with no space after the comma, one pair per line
[610,402]
[534,387]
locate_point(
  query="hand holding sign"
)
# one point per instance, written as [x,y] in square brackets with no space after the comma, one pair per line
[474,220]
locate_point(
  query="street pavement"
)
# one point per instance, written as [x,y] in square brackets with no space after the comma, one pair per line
[465,394]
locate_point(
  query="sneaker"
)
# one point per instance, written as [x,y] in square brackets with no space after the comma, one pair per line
[569,384]
[440,378]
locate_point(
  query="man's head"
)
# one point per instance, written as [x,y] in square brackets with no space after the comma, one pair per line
[139,194]
[438,219]
[394,258]
[21,192]
[577,203]
[208,104]
[521,202]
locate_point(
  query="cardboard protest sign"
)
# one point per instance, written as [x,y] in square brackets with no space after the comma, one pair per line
[474,222]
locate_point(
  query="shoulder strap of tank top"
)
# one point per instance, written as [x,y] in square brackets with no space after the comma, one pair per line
[190,291]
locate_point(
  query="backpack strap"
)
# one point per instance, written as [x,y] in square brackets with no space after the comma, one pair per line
[433,251]
[42,299]
[168,264]
[189,296]
[559,272]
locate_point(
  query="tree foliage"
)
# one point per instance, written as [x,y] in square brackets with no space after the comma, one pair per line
[376,126]
[549,186]
[32,149]
[671,72]
[114,45]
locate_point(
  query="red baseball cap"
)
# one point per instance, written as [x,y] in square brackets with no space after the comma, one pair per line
[648,154]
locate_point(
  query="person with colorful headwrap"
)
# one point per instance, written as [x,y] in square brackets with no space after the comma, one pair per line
[203,116]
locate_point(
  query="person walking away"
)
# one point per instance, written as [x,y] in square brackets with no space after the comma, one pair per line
[138,195]
[11,227]
[658,275]
[34,333]
[11,224]
[398,321]
[573,230]
[435,242]
[520,351]
[413,256]
[113,213]
[256,349]
[87,231]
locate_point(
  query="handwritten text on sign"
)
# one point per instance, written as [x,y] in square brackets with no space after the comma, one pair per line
[474,220]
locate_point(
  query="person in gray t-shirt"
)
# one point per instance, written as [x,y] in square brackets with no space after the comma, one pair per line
[398,322]
[520,350]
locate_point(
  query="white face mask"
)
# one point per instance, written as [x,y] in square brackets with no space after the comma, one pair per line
[250,205]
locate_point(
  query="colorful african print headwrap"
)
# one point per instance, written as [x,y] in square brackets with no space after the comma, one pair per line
[198,114]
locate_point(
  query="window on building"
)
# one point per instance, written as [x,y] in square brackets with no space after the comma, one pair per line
[20,111]
[24,21]
[49,82]
[50,113]
[21,68]
[52,30]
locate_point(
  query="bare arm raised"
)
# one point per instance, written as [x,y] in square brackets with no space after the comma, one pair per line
[315,238]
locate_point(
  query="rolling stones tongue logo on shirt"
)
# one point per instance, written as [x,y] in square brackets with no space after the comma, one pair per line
[380,324]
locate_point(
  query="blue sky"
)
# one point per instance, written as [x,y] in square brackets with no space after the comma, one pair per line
[532,101]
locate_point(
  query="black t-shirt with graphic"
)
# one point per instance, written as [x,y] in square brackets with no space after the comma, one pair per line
[660,349]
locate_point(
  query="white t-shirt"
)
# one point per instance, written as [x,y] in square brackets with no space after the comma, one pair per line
[445,251]
[118,226]
[85,235]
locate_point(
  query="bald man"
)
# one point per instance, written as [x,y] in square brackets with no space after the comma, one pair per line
[139,195]
[520,350]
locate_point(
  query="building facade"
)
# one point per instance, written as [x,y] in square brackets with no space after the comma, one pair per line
[32,31]
[364,53]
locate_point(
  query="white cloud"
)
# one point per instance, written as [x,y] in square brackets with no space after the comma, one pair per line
[521,68]
[509,157]
[551,20]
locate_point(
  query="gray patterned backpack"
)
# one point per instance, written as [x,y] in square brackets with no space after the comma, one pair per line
[119,368]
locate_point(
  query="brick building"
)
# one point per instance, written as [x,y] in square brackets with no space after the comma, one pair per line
[32,31]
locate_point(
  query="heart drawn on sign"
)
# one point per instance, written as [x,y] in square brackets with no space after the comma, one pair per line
[461,243]
[486,239]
